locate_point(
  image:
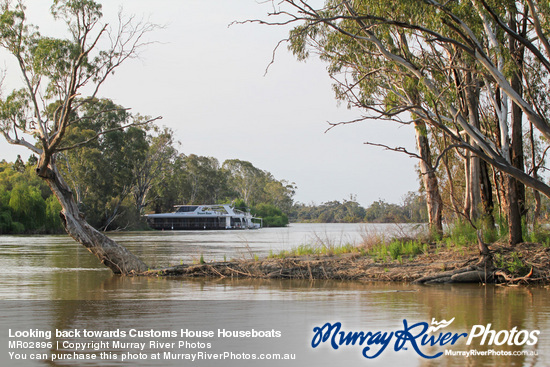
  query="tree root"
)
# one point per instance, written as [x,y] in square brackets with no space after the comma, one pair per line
[509,279]
[483,272]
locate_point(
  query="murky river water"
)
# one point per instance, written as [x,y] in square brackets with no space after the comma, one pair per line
[50,282]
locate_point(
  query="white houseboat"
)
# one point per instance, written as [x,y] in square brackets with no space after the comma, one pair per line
[194,217]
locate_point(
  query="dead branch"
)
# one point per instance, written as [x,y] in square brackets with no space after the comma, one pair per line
[395,149]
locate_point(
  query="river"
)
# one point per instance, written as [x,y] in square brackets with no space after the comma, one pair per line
[51,283]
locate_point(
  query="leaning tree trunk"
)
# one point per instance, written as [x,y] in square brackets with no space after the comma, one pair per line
[114,256]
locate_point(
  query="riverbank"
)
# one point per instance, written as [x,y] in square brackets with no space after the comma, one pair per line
[525,263]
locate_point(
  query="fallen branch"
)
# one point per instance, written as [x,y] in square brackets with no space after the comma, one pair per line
[444,277]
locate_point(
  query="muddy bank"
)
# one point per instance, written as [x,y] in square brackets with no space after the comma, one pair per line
[524,263]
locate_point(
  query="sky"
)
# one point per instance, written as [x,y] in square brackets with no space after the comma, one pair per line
[208,81]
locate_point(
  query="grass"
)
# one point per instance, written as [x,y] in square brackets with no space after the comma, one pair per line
[461,234]
[196,261]
[374,244]
[379,252]
[397,249]
[539,235]
[303,250]
[459,237]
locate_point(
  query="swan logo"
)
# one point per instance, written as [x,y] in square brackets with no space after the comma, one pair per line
[439,325]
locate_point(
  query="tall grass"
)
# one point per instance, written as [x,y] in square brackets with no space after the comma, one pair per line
[303,250]
[539,235]
[461,234]
[397,249]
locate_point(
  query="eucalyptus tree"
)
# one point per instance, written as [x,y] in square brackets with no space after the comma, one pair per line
[245,179]
[104,172]
[58,72]
[278,193]
[373,83]
[419,56]
[155,165]
[185,179]
[206,182]
[173,189]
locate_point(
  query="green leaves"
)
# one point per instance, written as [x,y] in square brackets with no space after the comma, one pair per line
[102,172]
[54,59]
[73,11]
[12,27]
[271,215]
[13,111]
[26,205]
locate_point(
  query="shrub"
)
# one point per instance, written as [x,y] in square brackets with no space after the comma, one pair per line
[271,215]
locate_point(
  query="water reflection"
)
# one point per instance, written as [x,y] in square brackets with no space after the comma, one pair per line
[64,287]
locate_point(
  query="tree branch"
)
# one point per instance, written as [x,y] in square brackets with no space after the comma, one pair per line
[82,143]
[395,149]
[21,142]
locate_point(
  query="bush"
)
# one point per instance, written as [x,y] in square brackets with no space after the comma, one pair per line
[26,203]
[53,221]
[461,234]
[271,215]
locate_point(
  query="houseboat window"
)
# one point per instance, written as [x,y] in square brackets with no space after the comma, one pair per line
[186,208]
[219,209]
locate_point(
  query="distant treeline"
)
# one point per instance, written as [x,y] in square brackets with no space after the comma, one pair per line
[412,210]
[27,205]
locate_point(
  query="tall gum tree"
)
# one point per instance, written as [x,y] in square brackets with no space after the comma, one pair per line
[55,72]
[437,34]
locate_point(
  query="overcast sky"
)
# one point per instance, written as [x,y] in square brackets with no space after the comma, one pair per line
[207,81]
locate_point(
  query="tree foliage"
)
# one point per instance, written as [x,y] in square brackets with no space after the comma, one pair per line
[411,210]
[26,203]
[270,214]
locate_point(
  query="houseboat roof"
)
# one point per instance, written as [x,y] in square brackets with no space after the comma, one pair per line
[218,210]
